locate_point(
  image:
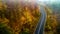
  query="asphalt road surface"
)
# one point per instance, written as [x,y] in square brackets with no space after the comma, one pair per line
[41,24]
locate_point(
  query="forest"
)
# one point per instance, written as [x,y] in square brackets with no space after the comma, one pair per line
[22,18]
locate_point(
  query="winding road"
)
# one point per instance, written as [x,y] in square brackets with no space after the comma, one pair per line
[41,24]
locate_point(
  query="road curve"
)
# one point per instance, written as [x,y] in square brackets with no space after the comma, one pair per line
[40,25]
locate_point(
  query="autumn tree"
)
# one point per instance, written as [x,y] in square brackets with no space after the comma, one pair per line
[51,23]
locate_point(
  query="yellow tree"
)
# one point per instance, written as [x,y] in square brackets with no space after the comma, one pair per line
[51,22]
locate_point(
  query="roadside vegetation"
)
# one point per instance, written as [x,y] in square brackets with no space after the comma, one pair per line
[51,22]
[18,18]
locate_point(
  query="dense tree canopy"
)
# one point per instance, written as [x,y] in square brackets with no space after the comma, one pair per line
[18,18]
